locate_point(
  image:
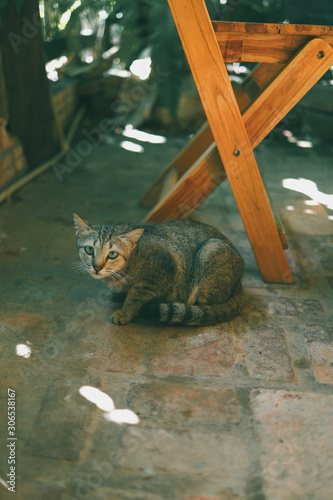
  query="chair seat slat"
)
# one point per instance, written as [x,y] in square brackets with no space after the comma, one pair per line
[268,43]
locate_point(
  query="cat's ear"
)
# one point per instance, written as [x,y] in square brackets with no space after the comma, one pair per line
[81,226]
[132,237]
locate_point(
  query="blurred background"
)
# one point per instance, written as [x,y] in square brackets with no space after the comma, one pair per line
[122,60]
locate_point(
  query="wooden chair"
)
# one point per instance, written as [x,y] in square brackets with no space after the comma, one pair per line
[292,59]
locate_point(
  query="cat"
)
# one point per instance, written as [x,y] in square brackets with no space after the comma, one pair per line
[180,272]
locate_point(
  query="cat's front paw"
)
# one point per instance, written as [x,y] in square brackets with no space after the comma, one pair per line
[120,318]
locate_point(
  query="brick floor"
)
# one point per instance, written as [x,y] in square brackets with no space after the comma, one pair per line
[295,433]
[236,411]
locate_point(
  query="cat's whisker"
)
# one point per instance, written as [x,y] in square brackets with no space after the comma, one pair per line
[117,277]
[79,268]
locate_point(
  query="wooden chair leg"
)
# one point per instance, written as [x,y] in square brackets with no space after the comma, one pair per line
[186,158]
[230,134]
[287,88]
[209,72]
[192,189]
[255,82]
[195,186]
[245,93]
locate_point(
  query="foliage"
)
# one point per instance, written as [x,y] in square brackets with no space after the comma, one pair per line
[147,25]
[141,25]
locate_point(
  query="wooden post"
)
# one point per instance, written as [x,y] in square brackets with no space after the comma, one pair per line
[31,116]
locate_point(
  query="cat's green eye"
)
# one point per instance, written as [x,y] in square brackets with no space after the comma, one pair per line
[89,250]
[113,255]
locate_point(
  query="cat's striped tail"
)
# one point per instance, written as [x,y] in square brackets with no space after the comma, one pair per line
[183,314]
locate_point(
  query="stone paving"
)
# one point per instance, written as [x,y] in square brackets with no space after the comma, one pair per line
[240,410]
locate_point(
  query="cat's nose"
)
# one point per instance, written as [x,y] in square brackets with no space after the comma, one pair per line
[97,268]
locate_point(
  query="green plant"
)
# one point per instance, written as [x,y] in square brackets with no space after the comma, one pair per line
[142,25]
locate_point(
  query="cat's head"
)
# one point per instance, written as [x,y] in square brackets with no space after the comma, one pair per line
[102,252]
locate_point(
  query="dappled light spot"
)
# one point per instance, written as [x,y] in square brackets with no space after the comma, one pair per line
[87,59]
[110,52]
[236,79]
[132,146]
[311,203]
[309,188]
[122,73]
[67,15]
[132,133]
[52,67]
[103,14]
[99,398]
[53,76]
[86,32]
[237,68]
[105,403]
[304,144]
[289,135]
[141,68]
[23,350]
[301,143]
[290,208]
[309,211]
[122,417]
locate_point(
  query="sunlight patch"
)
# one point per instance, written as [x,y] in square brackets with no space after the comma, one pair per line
[304,144]
[23,350]
[141,68]
[67,15]
[122,417]
[99,398]
[105,403]
[131,146]
[309,188]
[52,67]
[311,203]
[133,133]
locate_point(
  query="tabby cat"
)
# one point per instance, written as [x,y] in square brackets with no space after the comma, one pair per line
[180,272]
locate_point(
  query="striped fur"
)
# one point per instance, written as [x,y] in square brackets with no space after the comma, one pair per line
[178,313]
[179,272]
